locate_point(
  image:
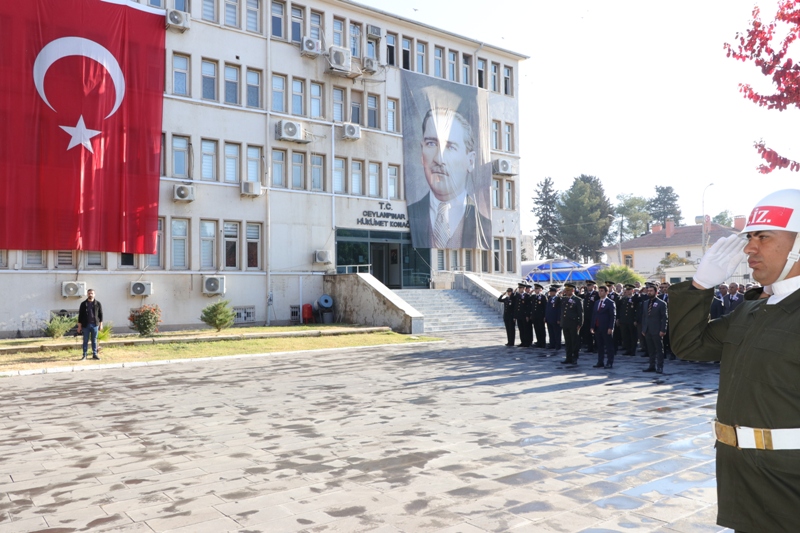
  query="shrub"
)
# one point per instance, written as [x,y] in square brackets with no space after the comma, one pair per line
[145,320]
[105,333]
[59,325]
[618,274]
[218,315]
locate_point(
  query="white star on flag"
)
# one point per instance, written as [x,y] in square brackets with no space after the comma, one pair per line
[80,135]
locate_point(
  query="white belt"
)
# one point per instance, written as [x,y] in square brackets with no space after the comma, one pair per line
[757,438]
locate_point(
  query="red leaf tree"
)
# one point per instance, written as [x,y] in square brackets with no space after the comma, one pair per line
[756,45]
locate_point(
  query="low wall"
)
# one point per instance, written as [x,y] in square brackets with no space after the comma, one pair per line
[362,299]
[478,287]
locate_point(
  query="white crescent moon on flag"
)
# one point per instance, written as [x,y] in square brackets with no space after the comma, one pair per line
[77,46]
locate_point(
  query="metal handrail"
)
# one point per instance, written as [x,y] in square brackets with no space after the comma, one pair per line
[353,269]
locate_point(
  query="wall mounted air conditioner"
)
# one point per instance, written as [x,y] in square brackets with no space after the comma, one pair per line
[341,60]
[251,188]
[351,132]
[141,288]
[73,289]
[370,64]
[213,284]
[310,47]
[183,193]
[179,21]
[323,257]
[289,130]
[503,167]
[374,31]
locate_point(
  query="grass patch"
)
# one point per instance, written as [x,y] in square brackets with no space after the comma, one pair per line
[161,352]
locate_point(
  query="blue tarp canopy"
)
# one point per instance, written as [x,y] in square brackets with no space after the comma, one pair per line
[552,270]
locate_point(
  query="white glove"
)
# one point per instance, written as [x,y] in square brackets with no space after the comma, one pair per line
[720,261]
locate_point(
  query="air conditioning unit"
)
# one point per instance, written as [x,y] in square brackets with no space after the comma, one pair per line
[213,284]
[310,47]
[179,21]
[503,167]
[251,188]
[141,288]
[73,289]
[341,60]
[323,256]
[288,130]
[370,65]
[183,193]
[351,132]
[374,31]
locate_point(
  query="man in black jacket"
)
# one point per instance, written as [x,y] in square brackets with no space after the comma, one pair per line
[654,327]
[90,321]
[508,298]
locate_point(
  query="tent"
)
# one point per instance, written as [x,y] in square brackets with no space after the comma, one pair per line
[551,270]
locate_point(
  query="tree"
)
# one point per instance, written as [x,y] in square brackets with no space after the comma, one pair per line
[632,211]
[218,315]
[723,219]
[546,210]
[672,260]
[664,205]
[618,274]
[586,215]
[756,46]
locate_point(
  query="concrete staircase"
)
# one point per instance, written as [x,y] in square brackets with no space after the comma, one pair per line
[451,310]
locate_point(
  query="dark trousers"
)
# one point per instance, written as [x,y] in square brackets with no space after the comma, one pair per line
[523,326]
[554,332]
[628,332]
[618,337]
[510,329]
[605,346]
[538,326]
[572,343]
[655,349]
[588,337]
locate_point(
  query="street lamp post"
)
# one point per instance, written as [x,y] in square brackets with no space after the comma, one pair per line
[703,244]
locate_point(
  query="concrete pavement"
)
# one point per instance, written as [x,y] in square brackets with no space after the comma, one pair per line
[463,436]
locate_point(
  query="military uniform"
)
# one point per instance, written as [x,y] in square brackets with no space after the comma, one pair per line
[508,316]
[521,315]
[553,320]
[588,308]
[654,322]
[571,322]
[538,311]
[626,313]
[759,387]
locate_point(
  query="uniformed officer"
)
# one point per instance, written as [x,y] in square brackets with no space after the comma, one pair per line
[553,318]
[521,314]
[589,301]
[614,296]
[508,314]
[571,322]
[626,319]
[538,311]
[654,327]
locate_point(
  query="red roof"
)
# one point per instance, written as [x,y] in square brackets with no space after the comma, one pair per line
[683,236]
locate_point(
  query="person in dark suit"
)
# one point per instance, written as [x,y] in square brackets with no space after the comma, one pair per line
[508,315]
[718,304]
[553,318]
[626,320]
[614,296]
[654,327]
[590,298]
[448,216]
[521,306]
[538,311]
[603,319]
[571,322]
[733,299]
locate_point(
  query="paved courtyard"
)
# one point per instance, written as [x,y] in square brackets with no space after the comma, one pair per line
[462,436]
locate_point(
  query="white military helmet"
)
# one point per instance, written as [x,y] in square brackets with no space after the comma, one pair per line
[779,211]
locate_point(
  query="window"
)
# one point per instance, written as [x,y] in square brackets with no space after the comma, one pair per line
[253,236]
[338,175]
[355,107]
[508,138]
[156,260]
[317,172]
[253,16]
[468,260]
[210,10]
[232,13]
[180,243]
[298,170]
[155,3]
[421,47]
[451,66]
[297,24]
[440,260]
[372,48]
[484,261]
[356,170]
[208,170]
[497,255]
[208,244]
[496,193]
[394,182]
[482,73]
[231,163]
[3,258]
[209,74]
[65,258]
[298,95]
[372,111]
[162,164]
[338,32]
[231,85]
[277,19]
[180,157]
[338,105]
[180,75]
[253,88]
[374,179]
[391,115]
[391,49]
[495,135]
[278,93]
[509,199]
[466,75]
[127,260]
[278,168]
[95,259]
[454,260]
[495,80]
[254,164]
[438,57]
[407,54]
[230,234]
[355,40]
[316,26]
[510,255]
[316,100]
[507,87]
[181,5]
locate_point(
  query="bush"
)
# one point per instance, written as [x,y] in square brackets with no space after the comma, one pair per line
[145,320]
[218,315]
[59,325]
[618,274]
[105,333]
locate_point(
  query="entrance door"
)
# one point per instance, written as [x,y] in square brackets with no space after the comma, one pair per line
[379,253]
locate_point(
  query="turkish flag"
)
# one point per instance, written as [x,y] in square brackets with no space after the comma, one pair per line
[81,93]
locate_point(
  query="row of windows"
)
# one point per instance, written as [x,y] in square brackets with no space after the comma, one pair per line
[463,259]
[503,194]
[214,166]
[209,81]
[502,136]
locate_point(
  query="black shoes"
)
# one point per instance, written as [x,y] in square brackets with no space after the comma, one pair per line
[609,366]
[83,358]
[649,369]
[95,358]
[598,365]
[660,370]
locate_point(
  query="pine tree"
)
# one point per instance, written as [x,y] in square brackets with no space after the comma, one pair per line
[546,210]
[586,216]
[664,205]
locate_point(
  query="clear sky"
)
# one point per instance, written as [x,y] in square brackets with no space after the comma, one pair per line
[636,93]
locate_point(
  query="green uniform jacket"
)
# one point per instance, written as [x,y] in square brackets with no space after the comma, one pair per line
[571,311]
[759,387]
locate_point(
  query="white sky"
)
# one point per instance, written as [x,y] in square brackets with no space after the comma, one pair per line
[636,93]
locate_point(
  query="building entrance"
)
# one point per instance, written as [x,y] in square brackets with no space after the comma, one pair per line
[387,255]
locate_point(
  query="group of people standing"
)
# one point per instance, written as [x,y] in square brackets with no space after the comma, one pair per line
[598,319]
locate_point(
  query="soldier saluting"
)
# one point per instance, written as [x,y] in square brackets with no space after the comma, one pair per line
[508,314]
[571,322]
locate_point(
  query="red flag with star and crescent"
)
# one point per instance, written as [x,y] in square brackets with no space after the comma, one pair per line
[81,94]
